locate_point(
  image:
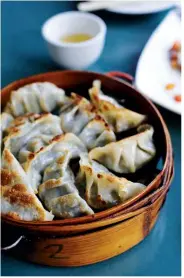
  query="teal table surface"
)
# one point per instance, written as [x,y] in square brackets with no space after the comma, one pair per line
[23,54]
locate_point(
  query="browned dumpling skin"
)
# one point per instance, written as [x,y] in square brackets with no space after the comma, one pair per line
[58,190]
[97,133]
[101,188]
[118,117]
[80,117]
[76,114]
[45,133]
[37,162]
[18,200]
[30,132]
[6,120]
[129,154]
[35,98]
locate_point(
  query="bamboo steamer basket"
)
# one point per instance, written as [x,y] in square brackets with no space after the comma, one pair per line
[95,246]
[86,240]
[139,207]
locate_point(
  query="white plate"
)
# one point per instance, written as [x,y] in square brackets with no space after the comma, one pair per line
[142,7]
[153,71]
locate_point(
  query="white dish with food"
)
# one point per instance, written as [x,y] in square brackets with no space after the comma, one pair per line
[155,76]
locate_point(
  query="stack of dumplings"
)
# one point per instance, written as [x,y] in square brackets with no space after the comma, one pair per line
[64,165]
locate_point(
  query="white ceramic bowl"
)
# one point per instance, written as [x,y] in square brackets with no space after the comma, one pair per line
[74,55]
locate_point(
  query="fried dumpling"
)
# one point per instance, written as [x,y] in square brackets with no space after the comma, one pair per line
[6,120]
[129,154]
[70,205]
[18,200]
[97,133]
[58,191]
[58,179]
[37,162]
[36,98]
[76,114]
[33,146]
[27,128]
[101,188]
[80,117]
[21,122]
[118,117]
[41,152]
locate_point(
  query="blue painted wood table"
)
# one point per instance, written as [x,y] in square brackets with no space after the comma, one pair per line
[24,54]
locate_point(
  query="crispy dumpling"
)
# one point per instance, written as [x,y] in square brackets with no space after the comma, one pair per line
[118,117]
[6,120]
[58,191]
[101,188]
[80,117]
[36,98]
[41,152]
[76,114]
[58,179]
[27,128]
[36,163]
[33,146]
[70,205]
[97,133]
[18,200]
[129,154]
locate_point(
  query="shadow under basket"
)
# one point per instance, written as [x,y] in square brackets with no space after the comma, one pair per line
[86,240]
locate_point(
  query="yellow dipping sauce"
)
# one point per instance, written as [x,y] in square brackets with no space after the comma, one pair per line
[75,38]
